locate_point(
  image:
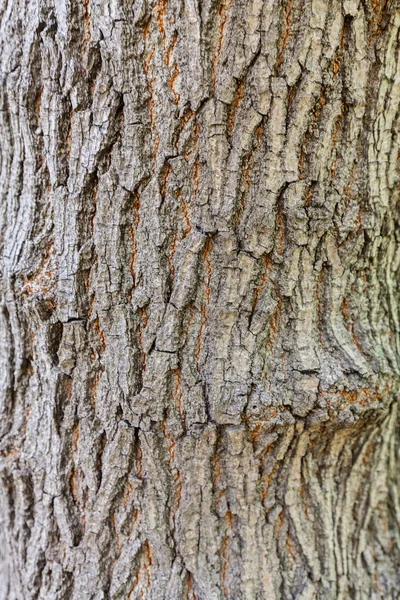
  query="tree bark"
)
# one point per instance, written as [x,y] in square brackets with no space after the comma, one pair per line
[200,255]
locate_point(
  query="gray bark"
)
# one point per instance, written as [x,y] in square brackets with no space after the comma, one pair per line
[200,254]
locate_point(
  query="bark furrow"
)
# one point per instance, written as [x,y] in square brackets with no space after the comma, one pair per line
[200,257]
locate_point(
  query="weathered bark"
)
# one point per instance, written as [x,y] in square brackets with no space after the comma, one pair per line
[200,329]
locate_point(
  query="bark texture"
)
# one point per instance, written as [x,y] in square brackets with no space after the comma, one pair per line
[200,256]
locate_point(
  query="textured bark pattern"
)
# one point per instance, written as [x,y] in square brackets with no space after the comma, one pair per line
[200,258]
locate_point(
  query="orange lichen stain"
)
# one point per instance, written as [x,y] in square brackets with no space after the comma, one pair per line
[144,316]
[261,285]
[177,388]
[336,65]
[75,438]
[224,554]
[96,381]
[164,180]
[134,584]
[67,387]
[255,432]
[229,519]
[287,32]
[139,332]
[367,454]
[136,515]
[378,5]
[170,49]
[375,23]
[127,493]
[86,19]
[280,523]
[304,498]
[196,134]
[189,591]
[148,561]
[171,442]
[86,280]
[100,335]
[171,85]
[183,121]
[178,479]
[219,498]
[247,171]
[308,197]
[334,167]
[92,302]
[11,454]
[234,107]
[159,11]
[223,18]
[317,110]
[259,134]
[376,580]
[349,397]
[346,309]
[188,227]
[217,473]
[289,546]
[364,396]
[359,220]
[156,147]
[146,65]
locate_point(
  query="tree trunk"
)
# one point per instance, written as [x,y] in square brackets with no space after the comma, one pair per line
[200,335]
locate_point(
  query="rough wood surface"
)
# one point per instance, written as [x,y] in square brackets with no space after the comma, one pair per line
[200,256]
